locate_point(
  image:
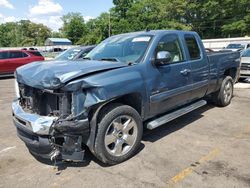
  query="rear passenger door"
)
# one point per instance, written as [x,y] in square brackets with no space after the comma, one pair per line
[17,59]
[172,83]
[199,65]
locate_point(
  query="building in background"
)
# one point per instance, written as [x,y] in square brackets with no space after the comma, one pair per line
[57,42]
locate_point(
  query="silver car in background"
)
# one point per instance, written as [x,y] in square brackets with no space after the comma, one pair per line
[75,53]
[245,64]
[237,47]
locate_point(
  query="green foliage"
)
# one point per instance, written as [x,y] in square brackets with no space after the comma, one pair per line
[56,34]
[23,33]
[73,26]
[210,18]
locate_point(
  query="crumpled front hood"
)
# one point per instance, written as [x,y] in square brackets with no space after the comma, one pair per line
[54,74]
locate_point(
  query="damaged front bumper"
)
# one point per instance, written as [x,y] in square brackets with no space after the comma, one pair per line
[51,137]
[33,123]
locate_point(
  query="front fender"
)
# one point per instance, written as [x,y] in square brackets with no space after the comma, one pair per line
[106,86]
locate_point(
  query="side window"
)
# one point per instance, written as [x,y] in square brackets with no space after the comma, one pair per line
[171,44]
[193,48]
[3,55]
[83,54]
[35,53]
[16,55]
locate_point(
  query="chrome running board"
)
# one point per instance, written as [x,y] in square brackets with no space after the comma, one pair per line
[173,115]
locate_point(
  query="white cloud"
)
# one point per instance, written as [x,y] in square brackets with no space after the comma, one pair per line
[45,7]
[53,22]
[4,19]
[10,19]
[48,13]
[6,3]
[87,18]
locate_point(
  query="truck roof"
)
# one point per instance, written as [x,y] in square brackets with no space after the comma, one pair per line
[157,32]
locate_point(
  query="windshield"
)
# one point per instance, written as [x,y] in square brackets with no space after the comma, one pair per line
[124,48]
[69,54]
[246,53]
[235,46]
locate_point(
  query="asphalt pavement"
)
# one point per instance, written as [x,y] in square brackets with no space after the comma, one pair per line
[209,147]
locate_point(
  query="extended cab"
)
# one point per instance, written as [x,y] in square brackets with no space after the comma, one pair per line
[129,81]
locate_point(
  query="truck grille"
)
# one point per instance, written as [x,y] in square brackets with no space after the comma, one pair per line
[245,66]
[44,102]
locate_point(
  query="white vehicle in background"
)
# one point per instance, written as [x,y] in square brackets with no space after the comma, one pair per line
[245,64]
[76,53]
[236,47]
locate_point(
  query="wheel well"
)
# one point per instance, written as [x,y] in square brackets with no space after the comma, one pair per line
[231,72]
[134,100]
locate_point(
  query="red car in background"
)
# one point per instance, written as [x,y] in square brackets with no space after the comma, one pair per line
[11,59]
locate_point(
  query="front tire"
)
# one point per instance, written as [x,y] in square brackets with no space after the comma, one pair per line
[223,97]
[119,134]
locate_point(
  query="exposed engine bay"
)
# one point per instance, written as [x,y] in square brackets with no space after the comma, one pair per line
[66,132]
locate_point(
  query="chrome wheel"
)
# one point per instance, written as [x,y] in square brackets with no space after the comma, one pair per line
[121,135]
[228,92]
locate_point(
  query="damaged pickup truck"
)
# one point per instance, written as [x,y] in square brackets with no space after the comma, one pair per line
[127,83]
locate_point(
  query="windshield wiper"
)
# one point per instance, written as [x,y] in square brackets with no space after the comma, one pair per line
[109,59]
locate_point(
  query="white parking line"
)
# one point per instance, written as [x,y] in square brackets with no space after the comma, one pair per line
[7,149]
[242,86]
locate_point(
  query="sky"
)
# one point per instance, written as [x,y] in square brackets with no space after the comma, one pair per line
[49,12]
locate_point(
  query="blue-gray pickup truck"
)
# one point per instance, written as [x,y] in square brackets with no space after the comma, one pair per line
[126,84]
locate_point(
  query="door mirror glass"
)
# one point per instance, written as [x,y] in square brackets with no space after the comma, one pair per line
[162,58]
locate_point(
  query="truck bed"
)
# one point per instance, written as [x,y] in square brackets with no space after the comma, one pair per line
[221,58]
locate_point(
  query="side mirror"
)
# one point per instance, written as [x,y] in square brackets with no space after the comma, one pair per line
[162,58]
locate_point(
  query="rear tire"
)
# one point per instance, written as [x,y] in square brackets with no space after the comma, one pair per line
[223,97]
[119,134]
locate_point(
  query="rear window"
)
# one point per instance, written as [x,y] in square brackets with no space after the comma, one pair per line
[36,53]
[3,55]
[235,46]
[193,47]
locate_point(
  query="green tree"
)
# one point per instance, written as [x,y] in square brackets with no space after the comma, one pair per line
[73,26]
[121,7]
[97,30]
[8,34]
[23,33]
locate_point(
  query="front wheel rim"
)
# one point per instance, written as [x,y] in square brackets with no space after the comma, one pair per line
[121,135]
[228,92]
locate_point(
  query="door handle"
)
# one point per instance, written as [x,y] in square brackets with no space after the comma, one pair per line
[185,72]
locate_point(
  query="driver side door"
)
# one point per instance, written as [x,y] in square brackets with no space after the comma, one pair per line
[171,83]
